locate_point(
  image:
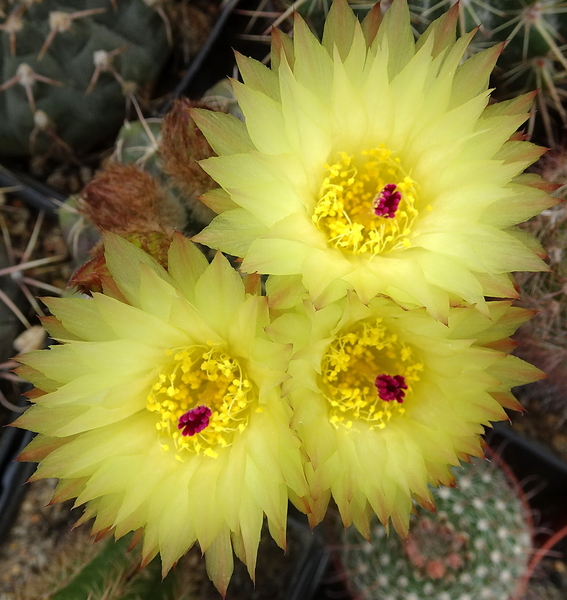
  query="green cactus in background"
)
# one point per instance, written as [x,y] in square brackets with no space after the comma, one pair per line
[137,143]
[111,570]
[534,56]
[167,149]
[475,547]
[68,66]
[115,574]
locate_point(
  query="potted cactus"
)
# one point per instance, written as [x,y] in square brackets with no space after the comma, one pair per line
[476,545]
[457,553]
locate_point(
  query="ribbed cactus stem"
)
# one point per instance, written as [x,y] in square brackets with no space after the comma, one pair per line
[475,547]
[75,62]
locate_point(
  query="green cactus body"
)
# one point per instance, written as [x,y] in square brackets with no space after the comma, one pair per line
[475,547]
[143,144]
[138,143]
[65,67]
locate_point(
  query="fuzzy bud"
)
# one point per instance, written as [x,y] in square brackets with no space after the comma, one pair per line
[124,199]
[182,145]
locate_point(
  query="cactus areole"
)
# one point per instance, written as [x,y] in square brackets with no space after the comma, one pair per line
[66,74]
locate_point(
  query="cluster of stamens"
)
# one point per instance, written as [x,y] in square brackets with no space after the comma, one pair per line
[367,203]
[202,398]
[366,375]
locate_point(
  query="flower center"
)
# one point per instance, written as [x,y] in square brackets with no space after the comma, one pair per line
[391,388]
[367,374]
[194,420]
[202,398]
[367,203]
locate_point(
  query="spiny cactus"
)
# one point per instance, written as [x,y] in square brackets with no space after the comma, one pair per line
[168,149]
[111,571]
[279,13]
[534,56]
[475,547]
[138,143]
[66,66]
[164,151]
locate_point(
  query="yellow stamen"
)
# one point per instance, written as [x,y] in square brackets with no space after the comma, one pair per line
[345,207]
[196,376]
[349,369]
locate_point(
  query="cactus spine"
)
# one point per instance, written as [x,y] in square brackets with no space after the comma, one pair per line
[66,67]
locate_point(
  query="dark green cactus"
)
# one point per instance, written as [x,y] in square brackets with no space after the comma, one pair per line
[475,547]
[66,67]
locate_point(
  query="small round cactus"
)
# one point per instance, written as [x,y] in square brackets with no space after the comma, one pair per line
[150,189]
[138,143]
[168,149]
[475,547]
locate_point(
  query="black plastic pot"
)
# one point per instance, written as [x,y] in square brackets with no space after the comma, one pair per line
[13,475]
[312,563]
[542,475]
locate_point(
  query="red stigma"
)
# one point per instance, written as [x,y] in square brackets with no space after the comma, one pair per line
[386,203]
[391,388]
[194,420]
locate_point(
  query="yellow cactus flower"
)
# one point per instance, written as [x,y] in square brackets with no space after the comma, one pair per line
[375,163]
[385,399]
[161,410]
